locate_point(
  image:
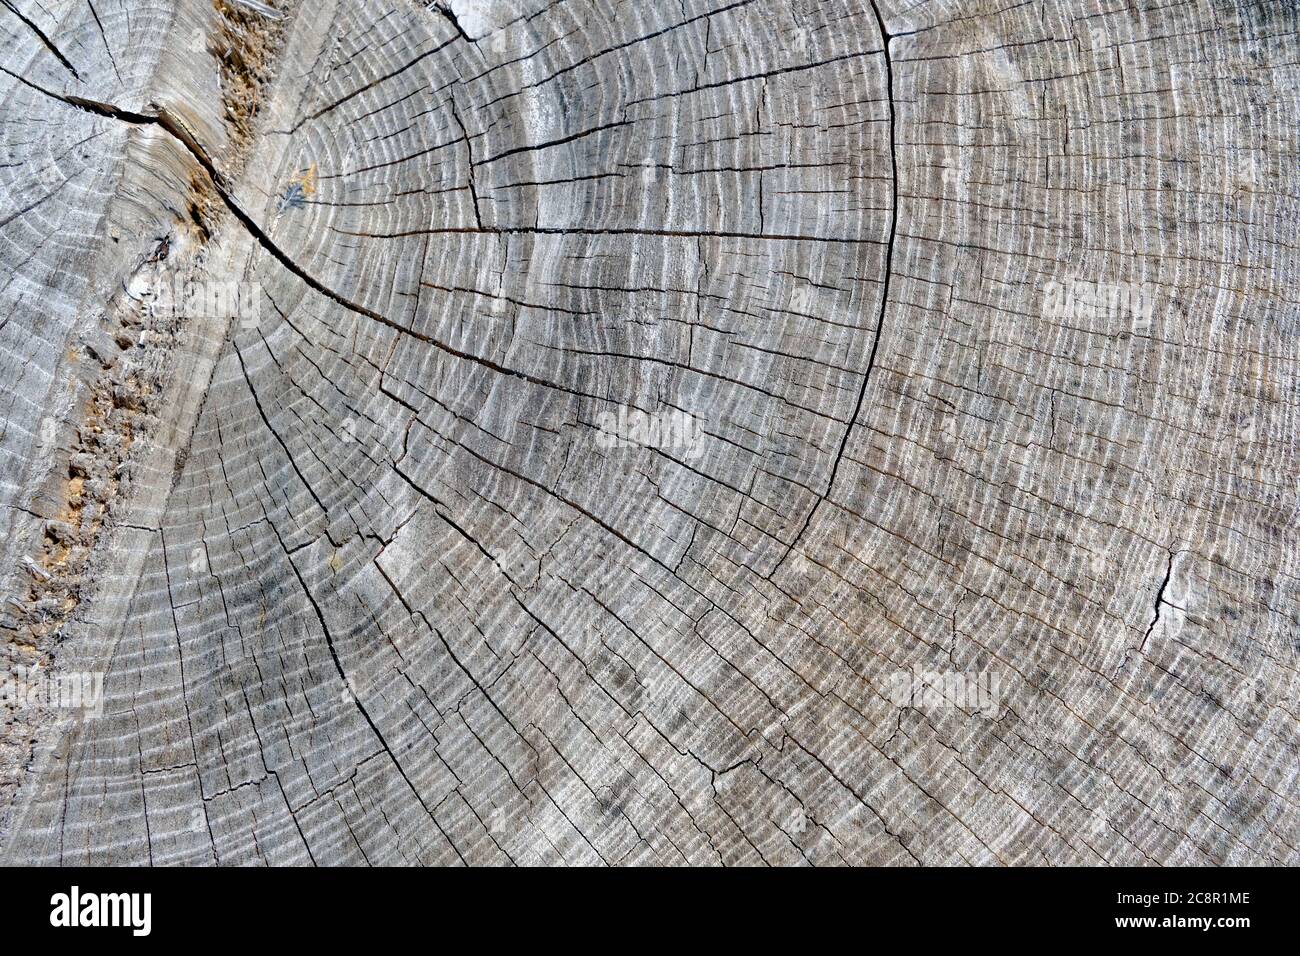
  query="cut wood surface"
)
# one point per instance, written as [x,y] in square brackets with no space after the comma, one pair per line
[579,432]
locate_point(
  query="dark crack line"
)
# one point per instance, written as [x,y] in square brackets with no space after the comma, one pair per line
[469,154]
[1160,601]
[450,16]
[884,292]
[104,37]
[49,44]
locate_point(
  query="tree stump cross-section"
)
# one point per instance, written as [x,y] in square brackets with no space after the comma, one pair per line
[575,432]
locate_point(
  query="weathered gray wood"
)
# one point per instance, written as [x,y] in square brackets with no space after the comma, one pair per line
[975,324]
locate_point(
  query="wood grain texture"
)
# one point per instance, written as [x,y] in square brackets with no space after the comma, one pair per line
[968,336]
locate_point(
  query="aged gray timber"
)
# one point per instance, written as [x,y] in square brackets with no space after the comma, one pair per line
[977,322]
